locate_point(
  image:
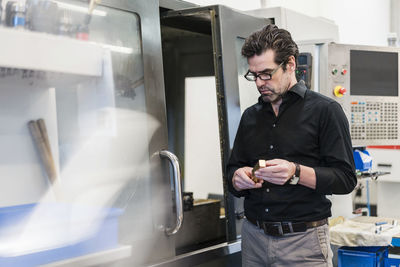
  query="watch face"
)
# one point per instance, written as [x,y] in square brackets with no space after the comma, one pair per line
[294,180]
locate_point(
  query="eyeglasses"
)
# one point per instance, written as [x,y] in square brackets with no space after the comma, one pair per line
[251,76]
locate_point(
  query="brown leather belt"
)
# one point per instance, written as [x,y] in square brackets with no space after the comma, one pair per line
[281,228]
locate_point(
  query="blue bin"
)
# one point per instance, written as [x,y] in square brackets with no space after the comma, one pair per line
[392,262]
[362,256]
[58,216]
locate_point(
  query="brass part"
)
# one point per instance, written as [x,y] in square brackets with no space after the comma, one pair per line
[260,164]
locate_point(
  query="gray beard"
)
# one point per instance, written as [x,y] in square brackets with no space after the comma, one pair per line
[280,96]
[266,100]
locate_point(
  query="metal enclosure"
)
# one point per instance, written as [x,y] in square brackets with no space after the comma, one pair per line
[299,25]
[110,121]
[106,109]
[370,76]
[103,103]
[206,41]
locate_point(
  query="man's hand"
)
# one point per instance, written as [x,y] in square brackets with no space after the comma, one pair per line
[277,171]
[241,179]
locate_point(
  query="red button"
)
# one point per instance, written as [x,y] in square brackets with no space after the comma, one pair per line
[339,91]
[344,71]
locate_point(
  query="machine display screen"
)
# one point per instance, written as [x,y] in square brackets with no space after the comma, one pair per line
[302,59]
[373,73]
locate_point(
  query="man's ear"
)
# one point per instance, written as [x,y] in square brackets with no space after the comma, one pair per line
[291,63]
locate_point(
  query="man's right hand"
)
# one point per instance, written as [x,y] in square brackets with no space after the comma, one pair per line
[241,179]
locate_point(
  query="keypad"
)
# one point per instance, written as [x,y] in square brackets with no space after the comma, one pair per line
[374,120]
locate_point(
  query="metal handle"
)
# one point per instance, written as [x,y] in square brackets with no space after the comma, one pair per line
[389,165]
[178,190]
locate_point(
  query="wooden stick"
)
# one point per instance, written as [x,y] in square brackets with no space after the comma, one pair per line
[43,131]
[41,140]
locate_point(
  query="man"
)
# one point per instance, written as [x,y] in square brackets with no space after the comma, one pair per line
[305,140]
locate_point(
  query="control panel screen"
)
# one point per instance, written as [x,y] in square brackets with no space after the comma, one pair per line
[373,73]
[302,59]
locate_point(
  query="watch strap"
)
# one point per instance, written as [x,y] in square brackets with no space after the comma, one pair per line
[296,176]
[297,172]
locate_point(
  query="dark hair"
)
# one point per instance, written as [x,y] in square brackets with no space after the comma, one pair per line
[271,37]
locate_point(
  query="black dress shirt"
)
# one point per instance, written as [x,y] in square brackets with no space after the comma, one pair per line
[310,129]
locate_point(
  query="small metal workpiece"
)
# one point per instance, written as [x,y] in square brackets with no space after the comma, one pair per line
[260,164]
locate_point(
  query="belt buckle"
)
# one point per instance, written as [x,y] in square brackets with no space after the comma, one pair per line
[290,226]
[268,229]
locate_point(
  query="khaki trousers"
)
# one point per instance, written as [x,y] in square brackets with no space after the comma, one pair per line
[309,249]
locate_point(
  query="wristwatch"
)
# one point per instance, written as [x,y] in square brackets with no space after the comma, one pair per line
[296,176]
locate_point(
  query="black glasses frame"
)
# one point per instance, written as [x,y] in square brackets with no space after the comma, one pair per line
[252,77]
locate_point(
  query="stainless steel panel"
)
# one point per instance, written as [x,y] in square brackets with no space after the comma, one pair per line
[225,254]
[176,4]
[224,26]
[157,213]
[106,132]
[232,25]
[202,227]
[95,259]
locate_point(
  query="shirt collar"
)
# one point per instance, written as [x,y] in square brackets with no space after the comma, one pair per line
[299,88]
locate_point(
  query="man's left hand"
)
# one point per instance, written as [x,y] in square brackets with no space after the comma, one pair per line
[277,171]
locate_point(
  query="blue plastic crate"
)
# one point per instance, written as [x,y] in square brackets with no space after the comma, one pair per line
[392,262]
[362,256]
[59,217]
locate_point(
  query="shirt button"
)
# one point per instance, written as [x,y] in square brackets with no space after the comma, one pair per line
[266,210]
[267,190]
[274,125]
[271,146]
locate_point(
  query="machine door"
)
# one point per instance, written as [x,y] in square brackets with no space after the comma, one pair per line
[234,91]
[203,42]
[85,174]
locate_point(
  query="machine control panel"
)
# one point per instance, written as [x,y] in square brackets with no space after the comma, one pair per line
[304,68]
[365,81]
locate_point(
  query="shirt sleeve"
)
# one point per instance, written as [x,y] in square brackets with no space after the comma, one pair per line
[236,160]
[336,175]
